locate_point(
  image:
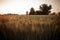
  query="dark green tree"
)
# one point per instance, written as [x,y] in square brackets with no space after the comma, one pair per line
[53,13]
[26,12]
[32,11]
[59,13]
[45,9]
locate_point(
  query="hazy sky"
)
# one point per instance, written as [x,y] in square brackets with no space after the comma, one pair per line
[21,6]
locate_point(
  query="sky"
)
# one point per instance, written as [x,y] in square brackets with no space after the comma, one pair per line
[21,6]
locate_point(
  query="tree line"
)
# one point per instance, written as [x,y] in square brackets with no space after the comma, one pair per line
[44,9]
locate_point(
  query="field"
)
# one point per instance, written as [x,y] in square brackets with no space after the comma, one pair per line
[29,27]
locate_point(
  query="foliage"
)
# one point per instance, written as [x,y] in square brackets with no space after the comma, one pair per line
[32,11]
[58,12]
[53,13]
[44,10]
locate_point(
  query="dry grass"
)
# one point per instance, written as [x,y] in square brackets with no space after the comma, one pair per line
[29,27]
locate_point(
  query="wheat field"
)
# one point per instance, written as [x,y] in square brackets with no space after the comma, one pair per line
[29,27]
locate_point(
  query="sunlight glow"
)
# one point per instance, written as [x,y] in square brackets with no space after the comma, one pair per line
[21,6]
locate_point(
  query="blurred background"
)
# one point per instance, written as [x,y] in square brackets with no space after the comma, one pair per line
[21,6]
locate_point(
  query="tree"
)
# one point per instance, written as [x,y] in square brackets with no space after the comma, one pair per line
[26,12]
[59,13]
[53,13]
[38,12]
[45,9]
[32,11]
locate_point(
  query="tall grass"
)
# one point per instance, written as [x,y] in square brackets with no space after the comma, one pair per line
[30,27]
